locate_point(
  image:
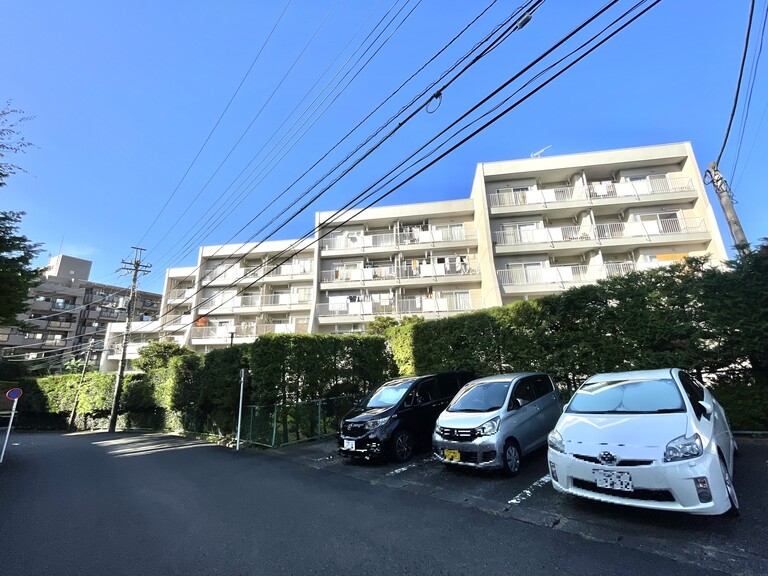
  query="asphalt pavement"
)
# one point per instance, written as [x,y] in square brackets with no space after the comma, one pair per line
[125,504]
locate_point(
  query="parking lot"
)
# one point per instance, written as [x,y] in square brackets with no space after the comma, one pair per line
[738,542]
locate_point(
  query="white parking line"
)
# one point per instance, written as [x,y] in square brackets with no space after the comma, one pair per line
[408,467]
[525,494]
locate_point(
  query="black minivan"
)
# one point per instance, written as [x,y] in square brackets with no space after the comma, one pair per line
[398,417]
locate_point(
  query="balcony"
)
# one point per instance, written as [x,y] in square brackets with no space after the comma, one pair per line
[510,200]
[282,272]
[415,240]
[555,278]
[414,273]
[664,231]
[244,332]
[272,302]
[178,295]
[225,274]
[330,313]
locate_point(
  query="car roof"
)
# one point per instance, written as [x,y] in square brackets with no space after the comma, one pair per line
[635,374]
[505,377]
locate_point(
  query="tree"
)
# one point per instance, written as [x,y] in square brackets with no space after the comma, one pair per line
[10,140]
[17,275]
[158,355]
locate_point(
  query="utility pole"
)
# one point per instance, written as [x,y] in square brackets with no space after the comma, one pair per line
[725,196]
[137,267]
[71,425]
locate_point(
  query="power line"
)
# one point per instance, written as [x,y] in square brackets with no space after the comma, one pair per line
[751,86]
[517,24]
[195,237]
[216,125]
[507,110]
[738,82]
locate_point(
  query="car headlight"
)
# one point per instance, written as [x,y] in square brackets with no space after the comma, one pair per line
[489,428]
[555,441]
[683,448]
[371,424]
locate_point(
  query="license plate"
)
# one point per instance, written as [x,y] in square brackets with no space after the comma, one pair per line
[349,444]
[613,480]
[452,455]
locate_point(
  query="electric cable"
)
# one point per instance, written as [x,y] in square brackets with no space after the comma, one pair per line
[400,124]
[518,23]
[527,96]
[750,89]
[738,82]
[218,121]
[222,212]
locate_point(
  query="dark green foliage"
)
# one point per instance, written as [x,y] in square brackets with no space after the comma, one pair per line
[158,355]
[296,367]
[220,391]
[17,275]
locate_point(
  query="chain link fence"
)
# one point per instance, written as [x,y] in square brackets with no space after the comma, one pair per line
[282,424]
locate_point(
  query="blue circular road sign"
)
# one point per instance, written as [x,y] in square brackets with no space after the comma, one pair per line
[13,394]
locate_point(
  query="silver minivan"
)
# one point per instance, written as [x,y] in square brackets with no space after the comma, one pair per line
[493,421]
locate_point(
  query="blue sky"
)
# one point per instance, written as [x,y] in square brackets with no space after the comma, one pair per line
[125,95]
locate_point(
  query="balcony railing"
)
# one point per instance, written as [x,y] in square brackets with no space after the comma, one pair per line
[418,305]
[260,301]
[181,293]
[286,271]
[591,193]
[414,270]
[600,232]
[225,333]
[399,239]
[568,275]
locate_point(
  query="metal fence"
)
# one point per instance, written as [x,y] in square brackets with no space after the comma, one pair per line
[282,424]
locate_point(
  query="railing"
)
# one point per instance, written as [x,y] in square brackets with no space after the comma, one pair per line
[282,424]
[414,270]
[181,293]
[563,275]
[590,193]
[418,305]
[287,271]
[224,333]
[261,300]
[399,239]
[62,306]
[599,232]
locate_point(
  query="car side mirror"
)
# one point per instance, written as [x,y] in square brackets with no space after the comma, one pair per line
[708,408]
[515,404]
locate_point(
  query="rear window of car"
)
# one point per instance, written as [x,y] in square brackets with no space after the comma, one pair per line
[627,397]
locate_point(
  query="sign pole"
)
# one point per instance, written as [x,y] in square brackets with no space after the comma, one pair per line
[8,431]
[240,411]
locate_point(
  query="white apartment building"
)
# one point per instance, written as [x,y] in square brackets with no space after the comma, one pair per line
[530,227]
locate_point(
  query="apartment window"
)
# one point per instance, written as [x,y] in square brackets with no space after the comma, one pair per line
[527,273]
[518,233]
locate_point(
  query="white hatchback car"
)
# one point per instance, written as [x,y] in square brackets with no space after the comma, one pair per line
[650,438]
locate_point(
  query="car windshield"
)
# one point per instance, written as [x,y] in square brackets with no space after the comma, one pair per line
[628,397]
[480,397]
[387,394]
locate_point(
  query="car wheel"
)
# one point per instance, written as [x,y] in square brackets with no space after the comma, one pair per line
[511,458]
[402,446]
[729,487]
